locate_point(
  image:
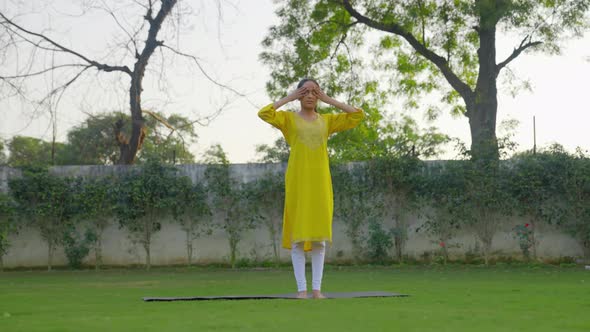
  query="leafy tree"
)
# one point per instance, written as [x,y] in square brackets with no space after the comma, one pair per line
[97,200]
[77,246]
[231,199]
[350,145]
[92,143]
[3,158]
[268,198]
[577,199]
[215,155]
[403,138]
[144,198]
[191,209]
[537,185]
[162,143]
[48,202]
[378,138]
[447,47]
[358,144]
[355,202]
[30,151]
[396,180]
[379,242]
[488,200]
[277,153]
[8,224]
[169,143]
[443,202]
[147,29]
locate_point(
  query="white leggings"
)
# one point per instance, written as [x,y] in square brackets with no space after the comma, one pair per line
[318,251]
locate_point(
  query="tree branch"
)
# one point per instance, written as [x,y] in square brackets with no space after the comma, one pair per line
[343,39]
[151,42]
[131,37]
[202,70]
[65,85]
[204,122]
[27,40]
[517,51]
[140,4]
[19,91]
[148,15]
[442,64]
[42,71]
[165,123]
[159,119]
[100,66]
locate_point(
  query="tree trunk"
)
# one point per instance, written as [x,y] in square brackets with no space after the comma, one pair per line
[273,237]
[487,248]
[98,252]
[189,247]
[148,263]
[443,244]
[275,249]
[399,236]
[147,243]
[482,111]
[486,254]
[485,229]
[484,143]
[357,247]
[49,255]
[233,246]
[533,240]
[130,147]
[399,247]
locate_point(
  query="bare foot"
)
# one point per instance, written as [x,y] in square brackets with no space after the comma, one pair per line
[302,295]
[318,295]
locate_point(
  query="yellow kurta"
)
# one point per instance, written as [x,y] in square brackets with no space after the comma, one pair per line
[309,201]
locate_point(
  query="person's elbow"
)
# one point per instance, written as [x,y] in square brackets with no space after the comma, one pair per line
[359,113]
[264,115]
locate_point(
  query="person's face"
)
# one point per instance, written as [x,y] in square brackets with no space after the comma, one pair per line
[309,100]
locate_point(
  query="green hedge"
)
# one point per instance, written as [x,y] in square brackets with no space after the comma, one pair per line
[374,200]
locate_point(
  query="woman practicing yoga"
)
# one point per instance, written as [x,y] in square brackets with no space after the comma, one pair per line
[309,203]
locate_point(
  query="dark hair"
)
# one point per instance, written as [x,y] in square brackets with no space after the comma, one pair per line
[300,84]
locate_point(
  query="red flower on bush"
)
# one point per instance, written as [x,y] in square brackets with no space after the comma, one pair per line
[442,244]
[526,225]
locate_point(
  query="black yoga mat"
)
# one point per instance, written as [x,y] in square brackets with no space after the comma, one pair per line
[347,295]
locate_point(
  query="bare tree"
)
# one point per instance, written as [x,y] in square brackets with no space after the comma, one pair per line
[141,41]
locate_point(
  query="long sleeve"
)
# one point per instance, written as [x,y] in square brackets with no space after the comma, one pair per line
[344,121]
[277,119]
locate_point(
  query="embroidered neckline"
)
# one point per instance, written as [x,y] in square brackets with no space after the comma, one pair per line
[310,121]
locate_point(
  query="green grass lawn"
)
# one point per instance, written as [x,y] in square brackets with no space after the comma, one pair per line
[455,298]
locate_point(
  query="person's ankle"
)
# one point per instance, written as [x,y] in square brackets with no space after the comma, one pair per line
[317,294]
[302,294]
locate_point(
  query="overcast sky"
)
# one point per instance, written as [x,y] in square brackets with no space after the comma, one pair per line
[228,49]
